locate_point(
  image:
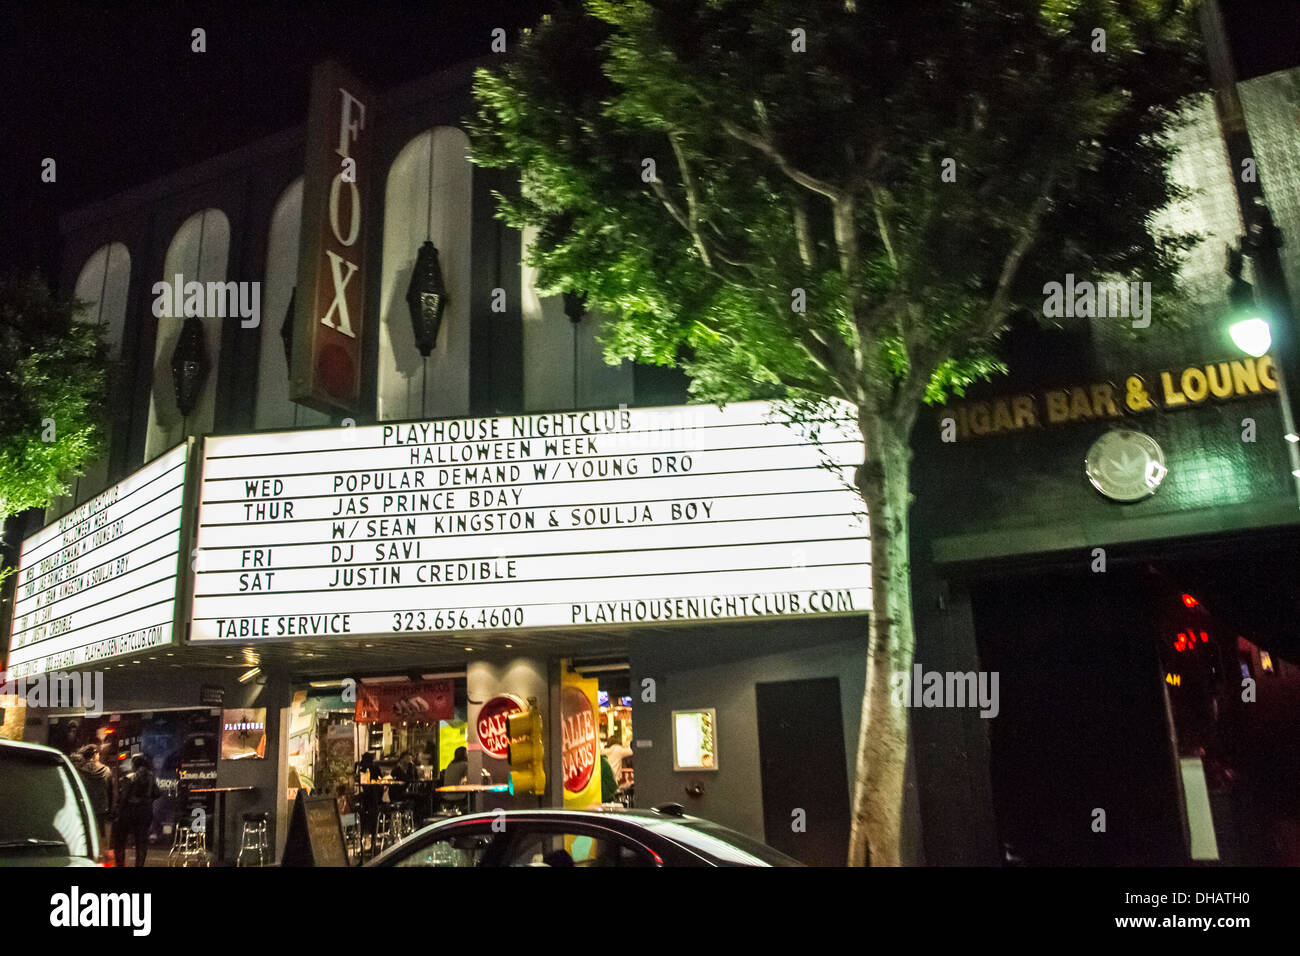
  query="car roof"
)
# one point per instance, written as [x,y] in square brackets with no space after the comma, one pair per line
[49,755]
[632,823]
[33,750]
[590,815]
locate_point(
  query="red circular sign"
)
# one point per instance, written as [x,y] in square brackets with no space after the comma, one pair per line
[335,370]
[493,730]
[580,749]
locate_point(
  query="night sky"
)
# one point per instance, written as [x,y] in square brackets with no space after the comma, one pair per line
[116,97]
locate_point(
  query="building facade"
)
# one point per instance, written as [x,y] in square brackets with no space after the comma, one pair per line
[1025,563]
[502,350]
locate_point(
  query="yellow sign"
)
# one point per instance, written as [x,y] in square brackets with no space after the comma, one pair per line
[580,742]
[1103,401]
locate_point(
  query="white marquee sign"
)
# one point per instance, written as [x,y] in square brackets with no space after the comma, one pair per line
[607,518]
[101,581]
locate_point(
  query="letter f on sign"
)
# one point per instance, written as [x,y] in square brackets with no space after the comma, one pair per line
[340,302]
[348,129]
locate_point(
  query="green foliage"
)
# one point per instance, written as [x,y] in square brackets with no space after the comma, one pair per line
[53,379]
[822,171]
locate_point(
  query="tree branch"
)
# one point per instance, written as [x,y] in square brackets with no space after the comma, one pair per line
[846,235]
[710,257]
[711,253]
[768,149]
[802,231]
[657,185]
[692,200]
[882,226]
[927,361]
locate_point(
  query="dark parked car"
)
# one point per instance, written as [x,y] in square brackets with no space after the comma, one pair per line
[665,836]
[45,814]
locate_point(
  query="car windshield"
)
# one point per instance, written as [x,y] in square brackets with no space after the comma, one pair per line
[723,846]
[42,812]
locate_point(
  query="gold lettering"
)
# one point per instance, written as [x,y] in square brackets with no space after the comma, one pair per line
[1173,397]
[1194,385]
[1080,407]
[1002,417]
[1103,400]
[1058,407]
[979,418]
[1267,373]
[1026,414]
[1220,380]
[1244,378]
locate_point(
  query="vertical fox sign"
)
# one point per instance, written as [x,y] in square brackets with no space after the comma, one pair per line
[330,302]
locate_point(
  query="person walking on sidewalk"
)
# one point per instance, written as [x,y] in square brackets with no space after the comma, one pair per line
[139,792]
[98,780]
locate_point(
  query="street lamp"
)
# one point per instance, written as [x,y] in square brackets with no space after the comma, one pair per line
[1250,330]
[1252,334]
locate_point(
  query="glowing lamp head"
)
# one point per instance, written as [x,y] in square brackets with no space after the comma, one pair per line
[1252,335]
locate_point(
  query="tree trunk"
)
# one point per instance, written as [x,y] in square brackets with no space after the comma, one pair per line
[882,480]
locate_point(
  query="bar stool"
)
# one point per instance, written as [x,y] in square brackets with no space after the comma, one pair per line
[389,830]
[352,836]
[254,850]
[180,845]
[196,850]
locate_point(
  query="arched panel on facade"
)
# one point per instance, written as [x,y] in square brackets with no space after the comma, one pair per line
[427,196]
[564,363]
[103,284]
[198,253]
[273,408]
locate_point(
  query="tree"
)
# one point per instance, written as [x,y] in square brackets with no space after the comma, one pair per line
[917,168]
[53,381]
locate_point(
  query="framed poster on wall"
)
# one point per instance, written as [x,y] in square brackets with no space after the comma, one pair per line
[243,734]
[695,739]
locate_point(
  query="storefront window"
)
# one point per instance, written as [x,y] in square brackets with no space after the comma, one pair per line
[615,701]
[375,744]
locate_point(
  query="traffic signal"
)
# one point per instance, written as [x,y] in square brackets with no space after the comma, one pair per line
[526,752]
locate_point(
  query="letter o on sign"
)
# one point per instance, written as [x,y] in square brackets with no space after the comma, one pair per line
[354,218]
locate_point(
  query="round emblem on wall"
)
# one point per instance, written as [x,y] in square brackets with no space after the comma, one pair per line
[1125,465]
[493,730]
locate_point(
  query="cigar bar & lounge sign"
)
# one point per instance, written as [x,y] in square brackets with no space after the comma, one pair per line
[1104,401]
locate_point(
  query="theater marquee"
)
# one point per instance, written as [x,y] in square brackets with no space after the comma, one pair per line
[631,516]
[101,581]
